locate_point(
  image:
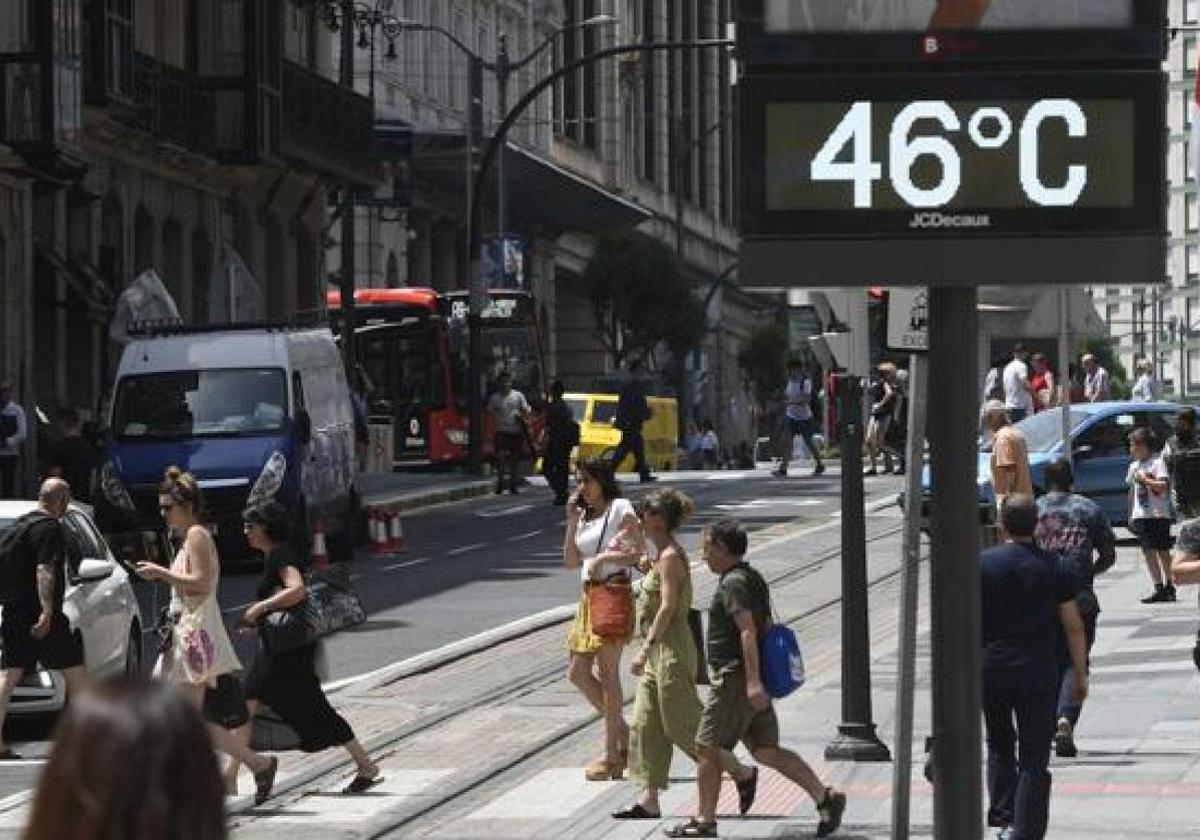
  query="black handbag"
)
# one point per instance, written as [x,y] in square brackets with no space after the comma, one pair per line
[696,624]
[335,601]
[290,629]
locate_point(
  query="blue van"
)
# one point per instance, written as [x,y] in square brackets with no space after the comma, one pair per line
[255,414]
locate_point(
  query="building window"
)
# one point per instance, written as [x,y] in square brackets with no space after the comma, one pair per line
[1189,54]
[458,72]
[17,26]
[1193,369]
[1191,11]
[591,81]
[649,167]
[1192,212]
[1192,260]
[411,44]
[1189,162]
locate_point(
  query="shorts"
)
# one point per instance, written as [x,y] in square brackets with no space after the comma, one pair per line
[728,716]
[225,705]
[61,649]
[804,428]
[1152,534]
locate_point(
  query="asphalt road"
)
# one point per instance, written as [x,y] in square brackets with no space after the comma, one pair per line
[471,566]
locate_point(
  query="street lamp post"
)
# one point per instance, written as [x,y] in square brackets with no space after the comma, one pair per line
[348,17]
[502,68]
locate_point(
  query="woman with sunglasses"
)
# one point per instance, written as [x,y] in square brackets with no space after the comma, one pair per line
[287,680]
[198,651]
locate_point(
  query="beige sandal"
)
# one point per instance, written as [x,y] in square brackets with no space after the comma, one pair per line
[603,771]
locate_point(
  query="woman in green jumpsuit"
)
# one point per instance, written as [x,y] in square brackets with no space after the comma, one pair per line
[666,713]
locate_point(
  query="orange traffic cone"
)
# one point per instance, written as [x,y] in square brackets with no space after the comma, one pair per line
[397,534]
[320,555]
[379,533]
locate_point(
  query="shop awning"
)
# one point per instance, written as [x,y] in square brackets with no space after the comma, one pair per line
[540,192]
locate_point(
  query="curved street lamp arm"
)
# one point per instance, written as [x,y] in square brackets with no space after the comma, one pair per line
[394,26]
[527,59]
[515,113]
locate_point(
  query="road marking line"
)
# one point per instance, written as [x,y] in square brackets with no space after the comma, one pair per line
[463,549]
[406,564]
[504,511]
[527,536]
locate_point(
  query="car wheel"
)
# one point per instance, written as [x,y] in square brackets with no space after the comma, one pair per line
[133,653]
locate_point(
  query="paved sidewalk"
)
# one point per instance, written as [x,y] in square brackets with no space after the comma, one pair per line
[1137,774]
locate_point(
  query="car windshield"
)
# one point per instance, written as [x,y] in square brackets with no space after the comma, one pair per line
[604,412]
[1043,430]
[200,403]
[578,408]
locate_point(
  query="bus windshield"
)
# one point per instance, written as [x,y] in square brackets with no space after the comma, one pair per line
[200,403]
[403,365]
[512,348]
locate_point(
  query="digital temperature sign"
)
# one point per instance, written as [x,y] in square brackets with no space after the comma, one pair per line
[947,157]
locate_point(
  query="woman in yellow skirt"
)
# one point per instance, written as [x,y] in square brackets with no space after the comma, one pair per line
[666,713]
[604,539]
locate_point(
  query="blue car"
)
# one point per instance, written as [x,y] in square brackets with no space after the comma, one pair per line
[1100,439]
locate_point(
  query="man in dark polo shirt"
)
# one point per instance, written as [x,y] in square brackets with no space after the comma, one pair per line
[33,628]
[738,707]
[1027,595]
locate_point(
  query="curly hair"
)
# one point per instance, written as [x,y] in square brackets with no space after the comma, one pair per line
[672,505]
[183,489]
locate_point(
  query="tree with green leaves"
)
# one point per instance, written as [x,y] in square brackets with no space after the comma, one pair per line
[1105,350]
[763,361]
[640,299]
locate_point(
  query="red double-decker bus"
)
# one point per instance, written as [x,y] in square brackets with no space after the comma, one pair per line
[412,343]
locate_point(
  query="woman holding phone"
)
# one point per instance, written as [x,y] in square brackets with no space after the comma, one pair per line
[603,541]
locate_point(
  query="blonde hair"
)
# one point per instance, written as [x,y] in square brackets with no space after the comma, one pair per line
[183,488]
[887,368]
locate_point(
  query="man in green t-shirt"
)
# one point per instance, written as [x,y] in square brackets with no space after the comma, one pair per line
[738,707]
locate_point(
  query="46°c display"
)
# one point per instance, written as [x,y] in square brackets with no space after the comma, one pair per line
[924,162]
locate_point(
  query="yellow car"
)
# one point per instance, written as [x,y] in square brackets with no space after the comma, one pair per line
[598,437]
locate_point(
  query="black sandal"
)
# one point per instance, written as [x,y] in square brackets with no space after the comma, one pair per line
[11,755]
[747,791]
[264,781]
[692,828]
[361,784]
[637,812]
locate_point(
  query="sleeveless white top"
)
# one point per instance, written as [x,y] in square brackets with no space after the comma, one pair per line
[200,649]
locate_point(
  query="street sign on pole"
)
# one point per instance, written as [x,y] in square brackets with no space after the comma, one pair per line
[908,320]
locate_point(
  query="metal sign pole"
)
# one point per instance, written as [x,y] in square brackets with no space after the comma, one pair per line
[954,569]
[918,401]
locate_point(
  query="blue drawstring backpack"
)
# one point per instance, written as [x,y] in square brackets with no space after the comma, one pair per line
[781,661]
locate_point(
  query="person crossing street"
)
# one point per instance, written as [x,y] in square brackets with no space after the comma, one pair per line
[738,707]
[798,417]
[1026,596]
[1075,528]
[633,411]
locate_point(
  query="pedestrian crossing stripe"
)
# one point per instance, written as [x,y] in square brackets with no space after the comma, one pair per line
[553,794]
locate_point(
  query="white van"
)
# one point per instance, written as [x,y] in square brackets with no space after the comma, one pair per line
[255,413]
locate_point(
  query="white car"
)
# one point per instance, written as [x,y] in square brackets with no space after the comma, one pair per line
[100,604]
